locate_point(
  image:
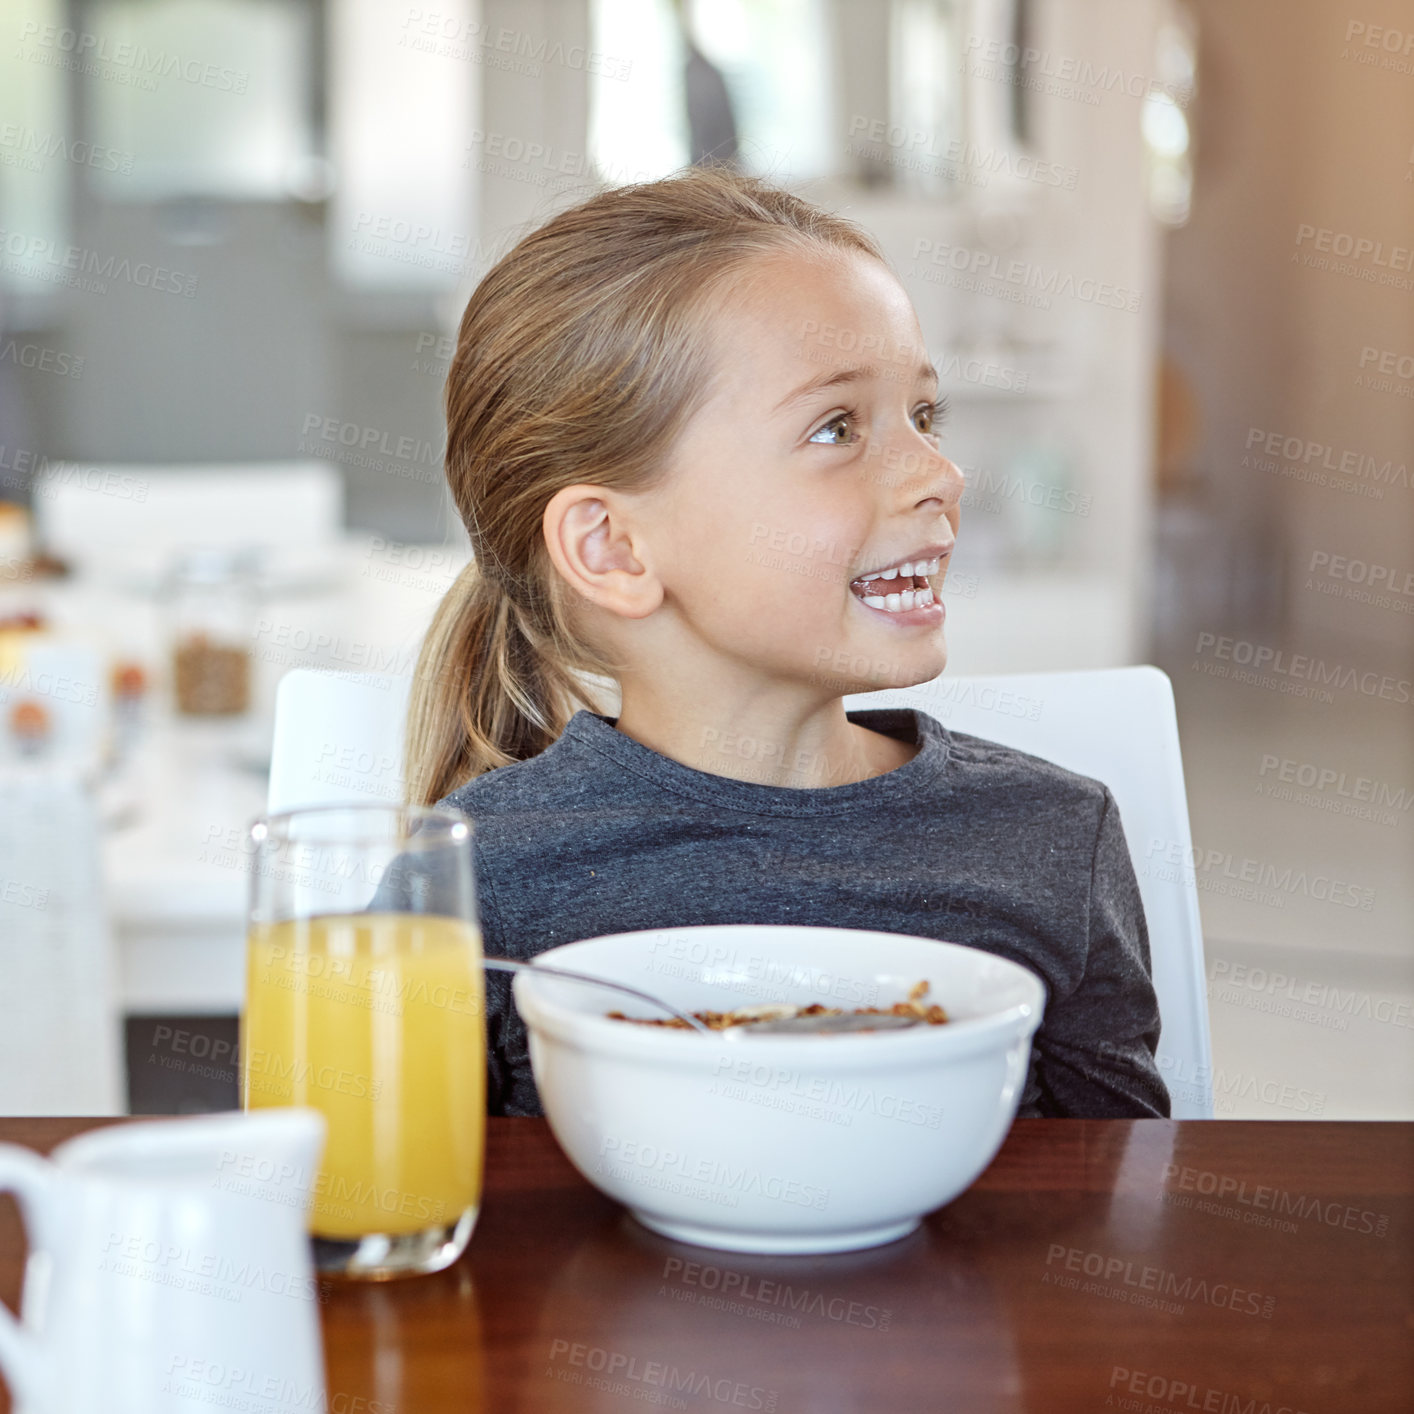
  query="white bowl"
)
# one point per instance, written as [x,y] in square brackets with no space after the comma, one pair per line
[783,1144]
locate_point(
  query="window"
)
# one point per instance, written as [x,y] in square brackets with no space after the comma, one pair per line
[772,59]
[37,151]
[206,98]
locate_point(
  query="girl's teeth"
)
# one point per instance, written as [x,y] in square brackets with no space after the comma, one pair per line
[901,599]
[902,602]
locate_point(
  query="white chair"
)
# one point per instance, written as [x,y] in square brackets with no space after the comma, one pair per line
[338,736]
[1119,726]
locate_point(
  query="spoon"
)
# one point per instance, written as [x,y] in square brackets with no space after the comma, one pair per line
[506,964]
[815,1025]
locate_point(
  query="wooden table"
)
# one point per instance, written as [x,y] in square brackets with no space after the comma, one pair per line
[1154,1266]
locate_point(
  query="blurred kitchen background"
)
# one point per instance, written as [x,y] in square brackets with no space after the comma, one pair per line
[1161,254]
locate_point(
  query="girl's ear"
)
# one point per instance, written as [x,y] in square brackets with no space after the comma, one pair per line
[591,540]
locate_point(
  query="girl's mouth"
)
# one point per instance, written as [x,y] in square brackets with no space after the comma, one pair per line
[895,592]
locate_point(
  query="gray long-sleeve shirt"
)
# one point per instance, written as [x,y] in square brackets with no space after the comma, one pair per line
[969,842]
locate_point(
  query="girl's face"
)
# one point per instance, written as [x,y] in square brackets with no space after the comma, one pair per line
[808,502]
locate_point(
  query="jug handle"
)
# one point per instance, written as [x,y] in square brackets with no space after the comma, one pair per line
[28,1177]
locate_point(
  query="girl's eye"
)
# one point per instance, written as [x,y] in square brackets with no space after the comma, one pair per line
[830,433]
[929,417]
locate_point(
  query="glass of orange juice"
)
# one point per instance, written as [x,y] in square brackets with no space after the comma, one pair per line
[365,1000]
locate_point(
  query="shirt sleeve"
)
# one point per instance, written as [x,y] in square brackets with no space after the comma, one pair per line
[510,1085]
[1095,1048]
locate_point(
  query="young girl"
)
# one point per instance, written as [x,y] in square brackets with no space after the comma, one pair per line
[692,432]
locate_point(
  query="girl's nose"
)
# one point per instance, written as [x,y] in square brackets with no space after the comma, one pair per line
[943,483]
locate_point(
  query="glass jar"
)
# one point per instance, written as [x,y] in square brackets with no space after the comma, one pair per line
[212,599]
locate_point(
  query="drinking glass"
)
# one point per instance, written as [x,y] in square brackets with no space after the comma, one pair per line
[365,1001]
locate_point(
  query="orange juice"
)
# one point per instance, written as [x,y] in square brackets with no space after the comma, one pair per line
[378,1021]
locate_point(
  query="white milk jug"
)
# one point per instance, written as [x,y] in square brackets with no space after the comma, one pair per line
[169,1269]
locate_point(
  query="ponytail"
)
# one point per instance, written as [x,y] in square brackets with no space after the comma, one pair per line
[485,691]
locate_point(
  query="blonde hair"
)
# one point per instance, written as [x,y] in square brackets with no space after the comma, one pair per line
[580,357]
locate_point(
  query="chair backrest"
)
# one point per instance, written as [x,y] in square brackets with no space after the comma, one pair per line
[1117,725]
[338,737]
